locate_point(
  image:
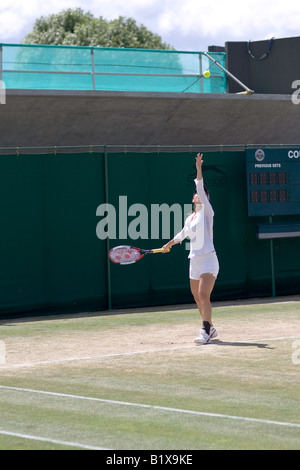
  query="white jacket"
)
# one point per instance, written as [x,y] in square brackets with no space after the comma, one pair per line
[199,226]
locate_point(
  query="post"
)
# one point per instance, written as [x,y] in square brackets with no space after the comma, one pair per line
[248,91]
[1,63]
[93,68]
[200,75]
[272,264]
[2,84]
[108,271]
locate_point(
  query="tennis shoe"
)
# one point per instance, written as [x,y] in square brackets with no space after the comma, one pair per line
[213,332]
[203,338]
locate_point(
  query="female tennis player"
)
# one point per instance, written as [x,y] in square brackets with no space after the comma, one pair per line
[204,264]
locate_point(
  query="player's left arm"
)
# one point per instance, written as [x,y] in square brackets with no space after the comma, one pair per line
[200,185]
[199,163]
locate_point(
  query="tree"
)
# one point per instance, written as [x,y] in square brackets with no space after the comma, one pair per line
[77,28]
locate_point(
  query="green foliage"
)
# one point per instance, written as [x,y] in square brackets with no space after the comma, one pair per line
[76,28]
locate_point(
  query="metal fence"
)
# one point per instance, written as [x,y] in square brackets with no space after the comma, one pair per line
[24,66]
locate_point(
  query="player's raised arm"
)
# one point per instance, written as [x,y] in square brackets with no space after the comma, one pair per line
[199,163]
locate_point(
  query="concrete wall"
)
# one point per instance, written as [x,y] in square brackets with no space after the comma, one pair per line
[32,118]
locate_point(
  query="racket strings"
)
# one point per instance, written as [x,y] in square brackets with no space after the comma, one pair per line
[124,255]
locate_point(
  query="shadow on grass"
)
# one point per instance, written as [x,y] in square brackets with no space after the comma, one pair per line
[241,343]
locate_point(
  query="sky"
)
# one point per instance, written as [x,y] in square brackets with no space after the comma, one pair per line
[187,25]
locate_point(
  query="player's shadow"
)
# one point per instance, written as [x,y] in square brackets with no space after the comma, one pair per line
[241,343]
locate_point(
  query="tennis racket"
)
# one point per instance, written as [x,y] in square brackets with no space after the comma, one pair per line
[125,254]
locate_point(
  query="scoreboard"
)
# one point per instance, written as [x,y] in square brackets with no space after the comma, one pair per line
[273,181]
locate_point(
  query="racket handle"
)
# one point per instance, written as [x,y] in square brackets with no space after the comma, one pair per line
[158,250]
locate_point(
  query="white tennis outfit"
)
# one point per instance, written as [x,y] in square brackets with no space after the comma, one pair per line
[199,228]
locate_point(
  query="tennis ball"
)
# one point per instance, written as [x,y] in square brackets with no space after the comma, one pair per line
[206,74]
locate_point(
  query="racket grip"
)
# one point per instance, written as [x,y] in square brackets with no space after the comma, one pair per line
[158,250]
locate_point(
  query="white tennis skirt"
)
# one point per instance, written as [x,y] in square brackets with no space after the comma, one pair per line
[202,264]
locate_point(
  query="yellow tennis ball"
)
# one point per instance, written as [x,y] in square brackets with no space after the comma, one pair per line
[206,74]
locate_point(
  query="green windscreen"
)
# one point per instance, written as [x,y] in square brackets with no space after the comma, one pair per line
[61,213]
[112,69]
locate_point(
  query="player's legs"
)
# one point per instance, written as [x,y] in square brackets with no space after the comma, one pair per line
[194,285]
[201,290]
[203,273]
[206,285]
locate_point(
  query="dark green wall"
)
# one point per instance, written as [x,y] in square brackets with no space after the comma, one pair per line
[48,243]
[53,261]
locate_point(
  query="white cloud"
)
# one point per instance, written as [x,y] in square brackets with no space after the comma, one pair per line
[10,24]
[186,24]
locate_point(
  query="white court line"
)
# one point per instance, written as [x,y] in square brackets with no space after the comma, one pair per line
[86,358]
[154,407]
[132,353]
[52,441]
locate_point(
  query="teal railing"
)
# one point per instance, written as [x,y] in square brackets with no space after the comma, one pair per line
[43,67]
